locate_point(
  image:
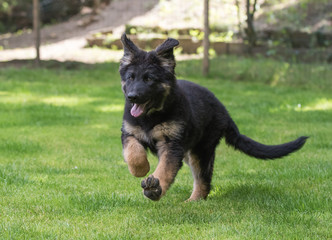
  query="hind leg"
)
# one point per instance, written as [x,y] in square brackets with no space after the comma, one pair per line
[201,158]
[201,166]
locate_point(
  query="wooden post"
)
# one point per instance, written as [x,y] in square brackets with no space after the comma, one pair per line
[36,30]
[206,42]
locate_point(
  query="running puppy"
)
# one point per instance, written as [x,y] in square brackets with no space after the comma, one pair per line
[177,120]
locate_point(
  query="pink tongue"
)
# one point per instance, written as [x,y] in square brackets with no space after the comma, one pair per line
[136,110]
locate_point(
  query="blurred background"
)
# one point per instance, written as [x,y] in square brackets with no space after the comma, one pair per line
[89,30]
[62,174]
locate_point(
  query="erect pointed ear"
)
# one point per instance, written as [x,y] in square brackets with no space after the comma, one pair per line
[166,48]
[129,48]
[165,53]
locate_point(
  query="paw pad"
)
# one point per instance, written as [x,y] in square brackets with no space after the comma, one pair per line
[151,188]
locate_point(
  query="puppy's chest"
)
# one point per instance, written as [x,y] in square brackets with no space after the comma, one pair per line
[159,133]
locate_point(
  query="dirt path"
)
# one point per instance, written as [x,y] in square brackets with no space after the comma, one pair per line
[66,41]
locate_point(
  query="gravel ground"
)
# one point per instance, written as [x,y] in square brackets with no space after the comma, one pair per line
[65,41]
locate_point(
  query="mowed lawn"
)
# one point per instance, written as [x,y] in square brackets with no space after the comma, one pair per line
[62,175]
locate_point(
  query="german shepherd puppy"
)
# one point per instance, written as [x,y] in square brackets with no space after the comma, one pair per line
[177,120]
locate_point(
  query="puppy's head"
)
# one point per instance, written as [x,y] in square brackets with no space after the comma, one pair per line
[147,77]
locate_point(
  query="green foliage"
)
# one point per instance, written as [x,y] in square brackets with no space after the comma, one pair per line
[196,34]
[221,36]
[62,175]
[4,5]
[212,52]
[215,36]
[109,39]
[131,29]
[7,5]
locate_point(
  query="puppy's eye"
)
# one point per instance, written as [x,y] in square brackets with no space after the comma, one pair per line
[147,79]
[130,78]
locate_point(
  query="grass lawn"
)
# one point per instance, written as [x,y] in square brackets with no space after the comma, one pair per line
[62,175]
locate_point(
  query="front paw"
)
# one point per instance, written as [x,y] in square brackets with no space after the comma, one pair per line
[151,188]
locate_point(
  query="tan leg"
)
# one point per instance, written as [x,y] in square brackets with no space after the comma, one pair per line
[166,172]
[135,156]
[200,190]
[156,185]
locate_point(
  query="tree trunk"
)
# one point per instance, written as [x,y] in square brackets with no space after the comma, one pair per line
[238,11]
[96,4]
[250,30]
[36,30]
[206,42]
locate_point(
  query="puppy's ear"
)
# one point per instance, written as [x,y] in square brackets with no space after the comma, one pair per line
[165,53]
[129,48]
[166,48]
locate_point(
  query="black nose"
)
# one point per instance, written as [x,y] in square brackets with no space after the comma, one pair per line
[132,96]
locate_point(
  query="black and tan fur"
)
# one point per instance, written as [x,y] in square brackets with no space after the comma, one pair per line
[177,120]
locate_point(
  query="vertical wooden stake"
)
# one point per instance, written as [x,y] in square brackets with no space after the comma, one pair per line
[96,4]
[36,30]
[206,42]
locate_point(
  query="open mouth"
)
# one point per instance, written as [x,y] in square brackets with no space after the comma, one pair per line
[138,109]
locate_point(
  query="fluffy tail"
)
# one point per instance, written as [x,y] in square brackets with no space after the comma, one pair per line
[258,150]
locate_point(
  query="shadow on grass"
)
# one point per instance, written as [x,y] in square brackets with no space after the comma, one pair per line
[49,64]
[45,115]
[267,199]
[35,113]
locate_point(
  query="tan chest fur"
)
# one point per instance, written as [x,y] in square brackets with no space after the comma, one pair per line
[171,130]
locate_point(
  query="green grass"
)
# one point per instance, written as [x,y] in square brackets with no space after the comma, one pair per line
[62,175]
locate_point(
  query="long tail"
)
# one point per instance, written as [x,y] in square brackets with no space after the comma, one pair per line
[258,150]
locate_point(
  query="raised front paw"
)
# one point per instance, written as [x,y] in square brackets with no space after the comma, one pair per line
[151,188]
